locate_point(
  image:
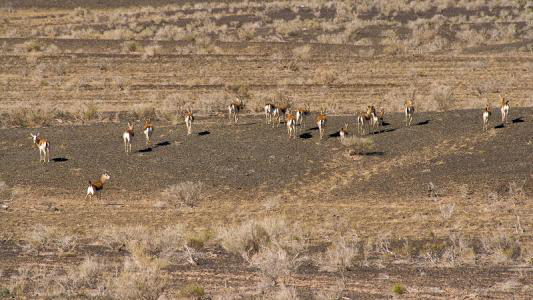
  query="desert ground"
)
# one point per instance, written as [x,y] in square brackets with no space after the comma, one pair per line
[437,210]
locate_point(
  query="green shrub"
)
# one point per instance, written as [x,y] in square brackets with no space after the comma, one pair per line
[399,289]
[192,290]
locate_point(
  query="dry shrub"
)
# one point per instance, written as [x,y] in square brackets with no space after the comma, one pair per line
[131,47]
[284,292]
[341,254]
[248,238]
[358,145]
[89,274]
[167,243]
[325,76]
[192,290]
[151,51]
[33,116]
[458,251]
[43,237]
[275,261]
[88,112]
[271,245]
[501,248]
[29,46]
[442,96]
[141,278]
[142,111]
[302,52]
[183,194]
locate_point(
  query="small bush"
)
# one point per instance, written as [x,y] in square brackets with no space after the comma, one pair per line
[276,261]
[192,290]
[302,52]
[88,112]
[183,193]
[151,51]
[144,111]
[167,243]
[38,116]
[359,145]
[340,255]
[43,237]
[198,240]
[399,289]
[442,96]
[33,46]
[275,243]
[131,47]
[89,273]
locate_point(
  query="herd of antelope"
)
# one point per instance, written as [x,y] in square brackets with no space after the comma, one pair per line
[274,115]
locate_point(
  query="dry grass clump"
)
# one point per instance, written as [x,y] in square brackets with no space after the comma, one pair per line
[501,248]
[442,96]
[151,51]
[271,245]
[302,52]
[141,277]
[131,47]
[399,289]
[183,194]
[358,145]
[43,237]
[192,290]
[89,274]
[32,116]
[283,292]
[341,254]
[88,112]
[143,111]
[166,243]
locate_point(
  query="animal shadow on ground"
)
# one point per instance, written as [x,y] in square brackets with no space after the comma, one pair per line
[385,123]
[422,123]
[162,144]
[305,135]
[385,130]
[518,120]
[336,134]
[314,128]
[499,126]
[205,132]
[145,150]
[59,159]
[373,153]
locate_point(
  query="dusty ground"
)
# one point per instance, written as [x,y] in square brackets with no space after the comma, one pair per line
[320,184]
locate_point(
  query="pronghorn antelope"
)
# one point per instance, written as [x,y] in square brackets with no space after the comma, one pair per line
[44,147]
[97,186]
[504,108]
[234,109]
[189,119]
[369,118]
[148,130]
[321,123]
[301,113]
[409,111]
[127,136]
[280,112]
[269,112]
[343,133]
[291,125]
[486,115]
